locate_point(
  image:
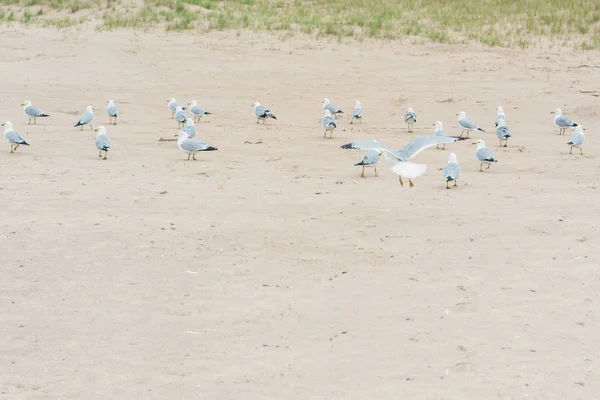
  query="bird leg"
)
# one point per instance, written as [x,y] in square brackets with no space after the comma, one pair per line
[29,123]
[81,127]
[34,120]
[400,180]
[455,183]
[571,151]
[105,154]
[376,171]
[193,156]
[172,114]
[481,166]
[363,172]
[411,184]
[109,119]
[331,135]
[352,121]
[444,148]
[489,165]
[115,120]
[581,151]
[91,127]
[447,184]
[100,153]
[11,149]
[361,121]
[189,155]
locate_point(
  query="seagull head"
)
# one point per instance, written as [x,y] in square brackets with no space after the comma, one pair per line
[409,110]
[579,129]
[181,135]
[89,108]
[255,104]
[357,104]
[557,112]
[111,103]
[325,101]
[101,130]
[462,114]
[438,125]
[192,103]
[7,126]
[480,143]
[171,100]
[26,103]
[500,110]
[452,158]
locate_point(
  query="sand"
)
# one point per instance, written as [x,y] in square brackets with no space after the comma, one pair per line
[272,270]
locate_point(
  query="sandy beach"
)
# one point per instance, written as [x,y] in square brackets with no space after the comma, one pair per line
[271,270]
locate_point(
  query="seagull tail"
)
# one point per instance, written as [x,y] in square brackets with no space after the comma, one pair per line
[77,124]
[481,130]
[458,138]
[23,143]
[211,148]
[449,178]
[339,112]
[43,115]
[346,146]
[207,113]
[570,143]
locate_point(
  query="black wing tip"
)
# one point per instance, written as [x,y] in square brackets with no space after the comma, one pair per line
[458,138]
[479,129]
[569,142]
[449,178]
[211,148]
[339,112]
[346,146]
[43,115]
[207,113]
[78,124]
[274,117]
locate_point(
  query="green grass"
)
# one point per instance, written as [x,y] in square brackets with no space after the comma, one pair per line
[506,23]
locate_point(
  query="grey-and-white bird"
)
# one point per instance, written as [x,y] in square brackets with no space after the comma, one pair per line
[262,112]
[189,128]
[172,105]
[451,170]
[502,132]
[399,159]
[466,124]
[370,160]
[483,154]
[410,117]
[13,137]
[357,113]
[86,118]
[329,123]
[332,108]
[500,115]
[32,112]
[180,116]
[196,111]
[439,131]
[102,142]
[112,111]
[576,140]
[190,146]
[562,122]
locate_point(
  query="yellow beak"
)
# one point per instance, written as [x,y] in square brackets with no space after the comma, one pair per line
[22,104]
[457,114]
[2,124]
[95,130]
[433,124]
[474,142]
[551,112]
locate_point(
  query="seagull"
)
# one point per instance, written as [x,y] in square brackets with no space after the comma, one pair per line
[111,110]
[357,113]
[173,106]
[439,131]
[189,128]
[190,146]
[410,118]
[196,111]
[328,106]
[500,115]
[451,170]
[466,124]
[483,154]
[562,122]
[102,141]
[180,116]
[13,137]
[329,123]
[399,159]
[502,132]
[577,138]
[86,118]
[32,112]
[261,112]
[370,159]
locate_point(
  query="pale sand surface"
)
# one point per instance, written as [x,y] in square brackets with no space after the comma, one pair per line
[272,271]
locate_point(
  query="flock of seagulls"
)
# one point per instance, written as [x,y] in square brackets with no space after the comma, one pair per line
[399,160]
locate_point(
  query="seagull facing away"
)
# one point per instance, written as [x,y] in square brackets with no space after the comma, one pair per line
[190,146]
[102,142]
[502,132]
[357,113]
[369,160]
[483,154]
[13,137]
[329,123]
[196,111]
[439,131]
[180,116]
[332,108]
[466,124]
[173,106]
[410,118]
[86,118]
[576,140]
[451,170]
[562,122]
[399,159]
[112,111]
[500,115]
[261,112]
[189,128]
[32,112]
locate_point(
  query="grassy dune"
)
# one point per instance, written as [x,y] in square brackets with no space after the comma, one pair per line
[507,23]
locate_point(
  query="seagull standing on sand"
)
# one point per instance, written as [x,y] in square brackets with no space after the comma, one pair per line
[86,118]
[332,108]
[502,132]
[562,122]
[261,112]
[466,124]
[196,111]
[102,141]
[112,111]
[329,123]
[576,140]
[13,137]
[483,154]
[32,112]
[190,146]
[173,106]
[439,131]
[399,159]
[357,113]
[451,170]
[370,160]
[410,117]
